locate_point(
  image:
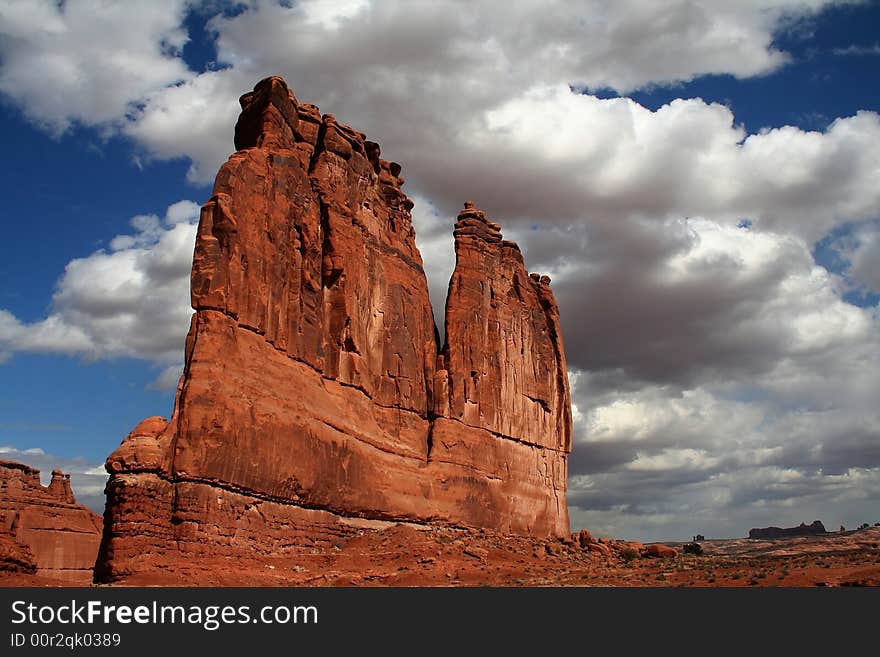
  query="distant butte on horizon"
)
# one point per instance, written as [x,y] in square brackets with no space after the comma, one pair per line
[316,398]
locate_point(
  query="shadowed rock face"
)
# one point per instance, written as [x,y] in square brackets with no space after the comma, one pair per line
[42,529]
[315,396]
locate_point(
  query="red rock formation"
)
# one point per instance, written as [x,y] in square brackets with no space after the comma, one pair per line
[43,529]
[312,400]
[504,350]
[501,379]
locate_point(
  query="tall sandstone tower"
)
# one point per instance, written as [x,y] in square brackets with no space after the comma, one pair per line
[316,398]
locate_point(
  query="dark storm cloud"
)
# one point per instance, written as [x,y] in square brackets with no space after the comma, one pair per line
[600,456]
[663,331]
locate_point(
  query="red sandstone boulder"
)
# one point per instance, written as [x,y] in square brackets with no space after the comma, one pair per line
[659,551]
[315,394]
[584,538]
[601,548]
[142,450]
[43,528]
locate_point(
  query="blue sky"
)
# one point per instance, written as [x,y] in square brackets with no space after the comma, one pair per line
[739,390]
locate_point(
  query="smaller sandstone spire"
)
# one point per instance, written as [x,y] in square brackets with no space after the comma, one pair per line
[520,392]
[59,487]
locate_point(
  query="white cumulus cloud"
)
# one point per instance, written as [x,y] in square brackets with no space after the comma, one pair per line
[86,61]
[131,299]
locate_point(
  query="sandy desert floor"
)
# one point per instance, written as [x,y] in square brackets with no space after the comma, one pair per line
[403,555]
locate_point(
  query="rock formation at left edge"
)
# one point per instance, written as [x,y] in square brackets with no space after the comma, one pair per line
[43,530]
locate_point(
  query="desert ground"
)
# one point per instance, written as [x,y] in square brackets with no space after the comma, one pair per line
[404,555]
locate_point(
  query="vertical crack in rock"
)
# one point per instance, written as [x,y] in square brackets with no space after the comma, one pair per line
[315,385]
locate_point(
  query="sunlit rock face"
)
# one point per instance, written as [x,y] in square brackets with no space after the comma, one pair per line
[316,396]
